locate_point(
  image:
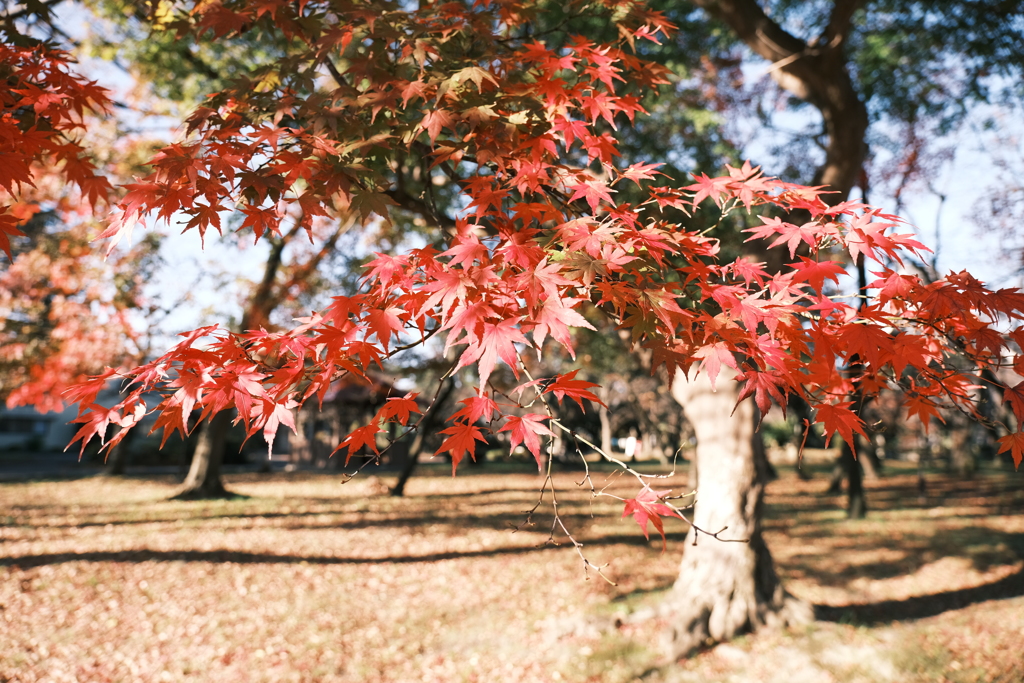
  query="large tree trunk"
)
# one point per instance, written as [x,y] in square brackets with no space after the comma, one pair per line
[728,585]
[203,480]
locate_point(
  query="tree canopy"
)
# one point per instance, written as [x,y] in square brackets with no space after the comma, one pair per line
[498,129]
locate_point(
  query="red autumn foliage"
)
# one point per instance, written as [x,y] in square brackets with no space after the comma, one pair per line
[541,241]
[43,108]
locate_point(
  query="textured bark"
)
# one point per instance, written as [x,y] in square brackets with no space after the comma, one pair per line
[726,586]
[203,480]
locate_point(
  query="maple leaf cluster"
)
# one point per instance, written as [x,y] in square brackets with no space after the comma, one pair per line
[42,105]
[63,313]
[523,130]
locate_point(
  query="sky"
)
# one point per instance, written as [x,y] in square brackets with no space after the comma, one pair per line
[945,214]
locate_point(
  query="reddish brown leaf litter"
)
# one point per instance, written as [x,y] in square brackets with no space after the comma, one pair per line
[311,580]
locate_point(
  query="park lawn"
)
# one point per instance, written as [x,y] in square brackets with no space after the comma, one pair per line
[309,579]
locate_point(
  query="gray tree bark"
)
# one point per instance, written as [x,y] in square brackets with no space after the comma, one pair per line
[726,585]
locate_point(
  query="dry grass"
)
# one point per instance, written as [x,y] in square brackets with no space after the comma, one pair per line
[307,579]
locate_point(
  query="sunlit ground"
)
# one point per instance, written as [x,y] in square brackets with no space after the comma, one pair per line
[306,579]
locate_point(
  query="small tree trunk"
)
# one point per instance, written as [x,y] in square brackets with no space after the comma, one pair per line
[203,480]
[430,421]
[398,490]
[849,468]
[856,501]
[725,588]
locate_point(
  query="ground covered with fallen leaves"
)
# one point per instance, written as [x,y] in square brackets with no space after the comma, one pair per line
[308,579]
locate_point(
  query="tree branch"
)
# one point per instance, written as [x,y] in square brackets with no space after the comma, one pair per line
[838,27]
[410,203]
[755,28]
[815,73]
[335,74]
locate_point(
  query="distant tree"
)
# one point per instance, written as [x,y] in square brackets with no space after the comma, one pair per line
[65,313]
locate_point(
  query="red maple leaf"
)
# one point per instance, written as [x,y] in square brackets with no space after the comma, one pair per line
[462,440]
[638,172]
[398,408]
[8,229]
[497,341]
[923,408]
[816,272]
[1015,397]
[839,418]
[434,120]
[384,323]
[646,508]
[85,392]
[477,407]
[1015,444]
[96,419]
[713,356]
[276,414]
[555,318]
[576,389]
[364,436]
[764,386]
[527,430]
[593,191]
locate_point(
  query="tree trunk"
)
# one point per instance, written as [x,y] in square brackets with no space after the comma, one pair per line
[430,422]
[851,469]
[203,480]
[409,467]
[726,586]
[856,501]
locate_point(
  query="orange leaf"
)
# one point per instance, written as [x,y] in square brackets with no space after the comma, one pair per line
[462,440]
[1015,444]
[527,429]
